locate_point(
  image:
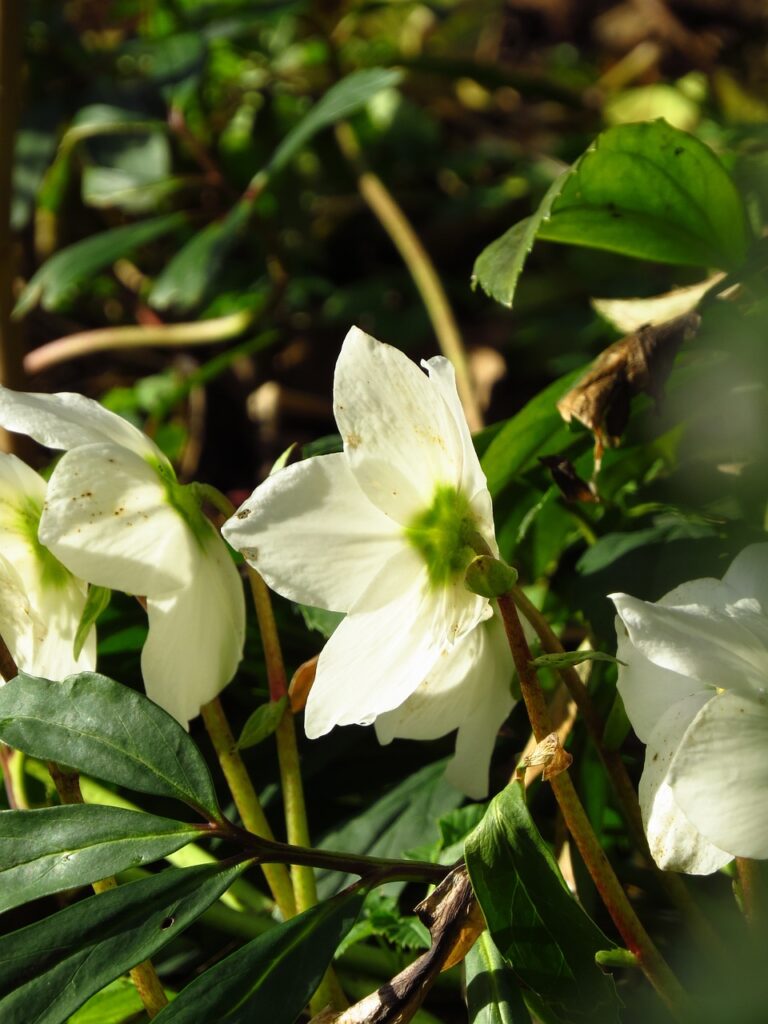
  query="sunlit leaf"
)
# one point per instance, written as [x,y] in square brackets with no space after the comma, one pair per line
[49,969]
[55,848]
[272,977]
[493,992]
[533,919]
[98,726]
[97,600]
[262,723]
[57,278]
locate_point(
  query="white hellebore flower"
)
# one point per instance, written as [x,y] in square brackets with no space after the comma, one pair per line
[380,532]
[115,515]
[41,603]
[696,691]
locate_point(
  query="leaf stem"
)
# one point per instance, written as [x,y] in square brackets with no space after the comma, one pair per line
[612,894]
[421,268]
[246,800]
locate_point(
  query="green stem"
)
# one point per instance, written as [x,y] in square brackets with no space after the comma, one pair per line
[246,800]
[613,896]
[143,975]
[617,772]
[400,230]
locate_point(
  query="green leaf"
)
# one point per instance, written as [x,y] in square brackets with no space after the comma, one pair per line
[493,993]
[57,848]
[262,723]
[342,99]
[569,658]
[116,1003]
[50,968]
[100,727]
[535,922]
[403,819]
[538,429]
[319,619]
[53,282]
[272,977]
[652,191]
[498,267]
[95,603]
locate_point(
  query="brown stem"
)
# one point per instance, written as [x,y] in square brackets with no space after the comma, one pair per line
[613,896]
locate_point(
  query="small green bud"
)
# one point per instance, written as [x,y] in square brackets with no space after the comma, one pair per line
[489,577]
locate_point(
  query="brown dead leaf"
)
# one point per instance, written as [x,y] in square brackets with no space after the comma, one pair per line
[549,753]
[301,684]
[454,919]
[641,361]
[565,477]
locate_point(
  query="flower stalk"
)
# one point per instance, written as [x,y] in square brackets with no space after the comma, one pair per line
[612,894]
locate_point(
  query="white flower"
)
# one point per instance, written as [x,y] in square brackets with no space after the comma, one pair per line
[696,691]
[380,532]
[41,603]
[115,515]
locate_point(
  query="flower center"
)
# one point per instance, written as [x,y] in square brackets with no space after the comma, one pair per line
[441,535]
[26,520]
[184,498]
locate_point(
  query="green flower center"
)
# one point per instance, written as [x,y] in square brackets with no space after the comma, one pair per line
[442,535]
[25,520]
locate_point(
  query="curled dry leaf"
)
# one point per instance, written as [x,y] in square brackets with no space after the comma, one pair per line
[550,753]
[632,314]
[301,684]
[567,480]
[455,920]
[641,361]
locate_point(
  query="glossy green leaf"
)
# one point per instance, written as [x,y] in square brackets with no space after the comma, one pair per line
[118,1002]
[57,848]
[492,991]
[262,723]
[49,969]
[534,920]
[98,726]
[342,99]
[498,267]
[538,429]
[97,600]
[272,977]
[655,192]
[54,281]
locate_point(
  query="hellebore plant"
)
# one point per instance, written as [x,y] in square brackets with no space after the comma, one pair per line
[384,531]
[116,516]
[695,687]
[41,603]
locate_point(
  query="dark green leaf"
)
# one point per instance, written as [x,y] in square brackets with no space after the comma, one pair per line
[271,978]
[59,275]
[50,968]
[97,600]
[500,264]
[569,658]
[493,992]
[262,723]
[534,920]
[537,429]
[655,192]
[105,729]
[342,99]
[403,819]
[57,848]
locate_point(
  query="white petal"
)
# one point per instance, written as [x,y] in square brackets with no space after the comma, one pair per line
[720,774]
[675,843]
[716,648]
[20,627]
[647,690]
[399,435]
[386,646]
[748,574]
[66,420]
[313,535]
[107,518]
[473,481]
[468,689]
[60,609]
[196,635]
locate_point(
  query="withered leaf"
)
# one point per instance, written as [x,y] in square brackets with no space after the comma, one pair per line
[565,477]
[455,920]
[640,362]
